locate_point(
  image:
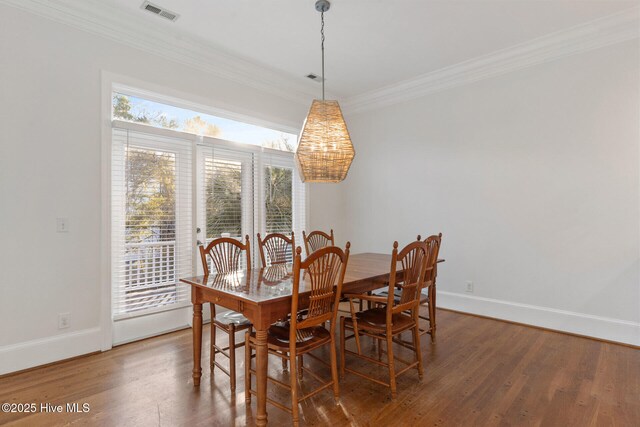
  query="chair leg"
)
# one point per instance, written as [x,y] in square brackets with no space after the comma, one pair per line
[285,366]
[232,355]
[432,312]
[392,371]
[212,355]
[334,370]
[300,365]
[294,388]
[416,344]
[247,368]
[357,335]
[342,341]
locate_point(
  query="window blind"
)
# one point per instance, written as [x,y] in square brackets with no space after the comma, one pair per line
[239,190]
[283,196]
[152,248]
[227,196]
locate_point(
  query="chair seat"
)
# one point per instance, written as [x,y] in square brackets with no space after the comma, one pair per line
[227,318]
[375,319]
[306,339]
[424,297]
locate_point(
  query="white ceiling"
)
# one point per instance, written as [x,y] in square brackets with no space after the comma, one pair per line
[369,43]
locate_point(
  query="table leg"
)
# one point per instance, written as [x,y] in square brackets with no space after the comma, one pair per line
[261,376]
[197,343]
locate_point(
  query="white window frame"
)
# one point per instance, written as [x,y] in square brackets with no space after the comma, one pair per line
[112,82]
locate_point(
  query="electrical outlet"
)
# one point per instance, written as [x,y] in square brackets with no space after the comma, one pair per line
[63,320]
[62,225]
[469,286]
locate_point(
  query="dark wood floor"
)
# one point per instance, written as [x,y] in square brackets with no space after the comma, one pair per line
[480,372]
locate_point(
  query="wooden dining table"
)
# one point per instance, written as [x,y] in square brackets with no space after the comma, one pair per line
[264,296]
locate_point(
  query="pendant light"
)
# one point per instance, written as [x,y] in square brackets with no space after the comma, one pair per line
[325,151]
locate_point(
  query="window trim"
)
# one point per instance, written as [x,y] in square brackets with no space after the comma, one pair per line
[180,97]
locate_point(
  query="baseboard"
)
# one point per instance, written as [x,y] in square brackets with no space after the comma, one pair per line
[25,355]
[142,327]
[560,320]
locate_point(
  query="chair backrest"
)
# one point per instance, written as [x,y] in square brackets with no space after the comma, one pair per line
[413,259]
[317,239]
[276,248]
[433,249]
[225,253]
[274,274]
[324,270]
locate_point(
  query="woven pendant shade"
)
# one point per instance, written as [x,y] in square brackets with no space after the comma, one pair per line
[324,151]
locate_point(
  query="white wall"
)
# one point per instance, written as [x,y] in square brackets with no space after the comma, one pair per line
[50,166]
[532,177]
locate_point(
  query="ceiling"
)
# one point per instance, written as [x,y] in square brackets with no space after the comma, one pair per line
[369,43]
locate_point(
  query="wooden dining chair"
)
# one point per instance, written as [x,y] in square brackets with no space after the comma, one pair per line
[428,297]
[317,239]
[390,318]
[320,276]
[276,248]
[225,254]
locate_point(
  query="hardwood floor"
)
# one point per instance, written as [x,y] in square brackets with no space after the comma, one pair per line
[480,372]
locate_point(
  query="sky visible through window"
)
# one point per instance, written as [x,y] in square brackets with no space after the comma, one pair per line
[134,109]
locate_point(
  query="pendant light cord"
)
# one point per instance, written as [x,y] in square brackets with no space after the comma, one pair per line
[322,44]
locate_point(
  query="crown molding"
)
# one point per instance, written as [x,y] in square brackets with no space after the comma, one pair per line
[609,30]
[105,20]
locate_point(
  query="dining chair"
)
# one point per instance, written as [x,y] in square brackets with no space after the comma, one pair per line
[317,239]
[320,277]
[390,318]
[428,296]
[225,254]
[276,248]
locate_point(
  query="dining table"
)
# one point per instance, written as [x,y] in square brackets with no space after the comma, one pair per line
[263,295]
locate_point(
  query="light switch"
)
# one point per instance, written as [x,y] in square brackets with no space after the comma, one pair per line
[63,225]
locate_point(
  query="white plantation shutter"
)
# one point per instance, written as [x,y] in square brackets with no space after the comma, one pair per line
[283,201]
[239,190]
[152,247]
[226,194]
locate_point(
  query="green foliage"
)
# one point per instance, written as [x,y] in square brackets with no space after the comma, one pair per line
[151,196]
[278,199]
[122,109]
[224,199]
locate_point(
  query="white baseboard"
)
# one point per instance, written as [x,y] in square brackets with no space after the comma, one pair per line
[29,354]
[16,357]
[566,321]
[141,327]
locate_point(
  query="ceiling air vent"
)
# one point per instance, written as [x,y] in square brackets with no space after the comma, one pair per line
[314,77]
[160,11]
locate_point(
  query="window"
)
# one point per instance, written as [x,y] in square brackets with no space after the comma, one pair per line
[151,232]
[173,189]
[278,199]
[226,193]
[139,110]
[223,202]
